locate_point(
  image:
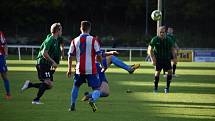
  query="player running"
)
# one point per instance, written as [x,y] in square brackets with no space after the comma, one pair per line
[47,61]
[3,65]
[85,48]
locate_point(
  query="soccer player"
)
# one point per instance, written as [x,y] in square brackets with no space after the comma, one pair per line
[107,60]
[160,49]
[47,61]
[171,35]
[86,49]
[3,65]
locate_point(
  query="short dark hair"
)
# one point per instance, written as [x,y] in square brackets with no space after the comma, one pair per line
[85,25]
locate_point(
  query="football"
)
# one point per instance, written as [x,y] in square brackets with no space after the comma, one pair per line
[156,15]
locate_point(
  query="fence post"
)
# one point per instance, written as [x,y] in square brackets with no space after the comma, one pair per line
[130,55]
[19,53]
[32,53]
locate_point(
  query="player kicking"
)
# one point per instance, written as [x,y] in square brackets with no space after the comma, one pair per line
[85,48]
[47,62]
[3,65]
[108,59]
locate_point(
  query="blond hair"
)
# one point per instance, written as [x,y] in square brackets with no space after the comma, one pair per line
[55,27]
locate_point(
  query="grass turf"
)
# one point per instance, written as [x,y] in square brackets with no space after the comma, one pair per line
[191,97]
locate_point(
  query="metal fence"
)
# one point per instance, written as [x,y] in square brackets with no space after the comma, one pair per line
[33,48]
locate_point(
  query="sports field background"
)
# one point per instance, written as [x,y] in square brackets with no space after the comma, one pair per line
[191,97]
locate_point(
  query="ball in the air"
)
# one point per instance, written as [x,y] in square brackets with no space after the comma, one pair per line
[156,15]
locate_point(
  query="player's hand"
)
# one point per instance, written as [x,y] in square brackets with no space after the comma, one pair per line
[115,53]
[103,69]
[175,61]
[69,73]
[153,62]
[54,65]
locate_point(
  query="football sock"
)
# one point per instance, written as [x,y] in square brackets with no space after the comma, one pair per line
[74,96]
[102,94]
[173,68]
[95,95]
[116,61]
[41,91]
[156,82]
[168,81]
[35,85]
[7,86]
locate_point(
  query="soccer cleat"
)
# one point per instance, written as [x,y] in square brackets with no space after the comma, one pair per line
[85,97]
[25,86]
[72,108]
[166,90]
[134,67]
[37,102]
[93,106]
[8,97]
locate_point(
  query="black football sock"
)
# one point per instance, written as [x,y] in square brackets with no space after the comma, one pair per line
[156,82]
[168,81]
[173,68]
[35,85]
[41,91]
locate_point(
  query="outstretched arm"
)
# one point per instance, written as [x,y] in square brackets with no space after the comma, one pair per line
[111,53]
[151,54]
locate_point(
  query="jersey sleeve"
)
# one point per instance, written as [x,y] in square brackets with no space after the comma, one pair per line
[2,38]
[72,49]
[152,42]
[47,44]
[97,48]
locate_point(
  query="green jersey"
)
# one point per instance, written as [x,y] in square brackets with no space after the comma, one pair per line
[162,48]
[52,45]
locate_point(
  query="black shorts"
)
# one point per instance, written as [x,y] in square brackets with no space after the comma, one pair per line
[163,64]
[44,72]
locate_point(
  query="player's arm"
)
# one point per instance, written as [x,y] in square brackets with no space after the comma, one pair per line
[6,49]
[47,46]
[62,50]
[71,53]
[151,54]
[69,71]
[47,57]
[111,53]
[173,49]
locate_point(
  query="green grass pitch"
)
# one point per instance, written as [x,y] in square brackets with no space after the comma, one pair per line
[191,97]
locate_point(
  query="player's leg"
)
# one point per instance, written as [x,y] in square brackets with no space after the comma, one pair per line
[6,85]
[3,71]
[46,76]
[104,88]
[174,65]
[78,81]
[116,61]
[94,82]
[29,84]
[158,68]
[169,76]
